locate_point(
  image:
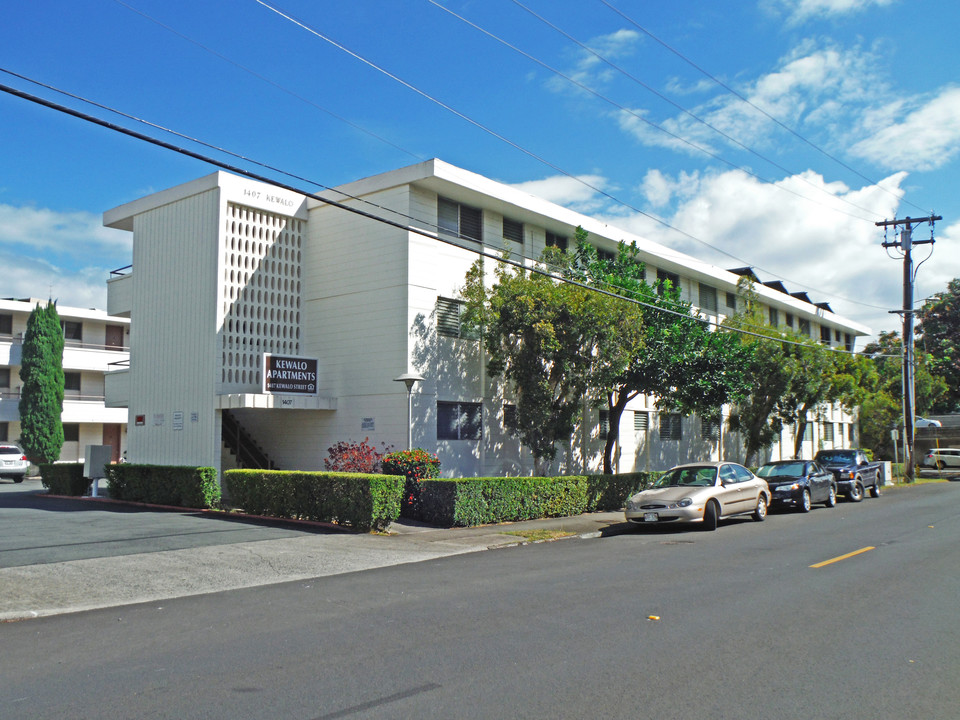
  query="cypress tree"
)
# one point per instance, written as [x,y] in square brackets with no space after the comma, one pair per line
[41,376]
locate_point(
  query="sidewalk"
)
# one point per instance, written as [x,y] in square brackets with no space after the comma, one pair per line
[53,588]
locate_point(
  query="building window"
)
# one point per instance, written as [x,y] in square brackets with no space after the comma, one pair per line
[557,241]
[71,381]
[663,277]
[808,431]
[510,419]
[788,319]
[604,423]
[114,336]
[804,326]
[851,434]
[460,220]
[450,317]
[828,432]
[670,426]
[732,301]
[824,335]
[774,316]
[513,230]
[4,432]
[708,298]
[848,342]
[710,429]
[606,255]
[71,432]
[641,421]
[836,335]
[459,421]
[72,331]
[5,378]
[6,324]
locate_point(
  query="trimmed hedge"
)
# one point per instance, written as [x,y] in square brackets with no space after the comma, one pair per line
[480,501]
[181,486]
[610,492]
[362,501]
[64,479]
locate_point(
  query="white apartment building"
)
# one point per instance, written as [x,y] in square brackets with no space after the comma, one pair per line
[238,287]
[94,342]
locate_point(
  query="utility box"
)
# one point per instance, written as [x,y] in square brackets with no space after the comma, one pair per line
[886,472]
[97,456]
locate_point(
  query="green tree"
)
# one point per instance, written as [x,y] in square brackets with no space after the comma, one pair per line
[939,336]
[552,342]
[42,381]
[675,357]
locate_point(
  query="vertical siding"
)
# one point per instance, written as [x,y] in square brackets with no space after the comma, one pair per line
[174,334]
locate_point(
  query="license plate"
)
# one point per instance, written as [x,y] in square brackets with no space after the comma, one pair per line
[650,517]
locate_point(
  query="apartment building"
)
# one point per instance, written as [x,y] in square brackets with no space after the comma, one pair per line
[270,325]
[94,342]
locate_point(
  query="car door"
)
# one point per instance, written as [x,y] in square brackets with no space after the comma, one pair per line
[820,482]
[750,488]
[728,491]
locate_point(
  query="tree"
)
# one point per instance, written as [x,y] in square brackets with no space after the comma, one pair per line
[42,382]
[551,341]
[939,336]
[670,353]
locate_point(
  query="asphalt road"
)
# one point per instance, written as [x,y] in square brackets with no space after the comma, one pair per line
[746,627]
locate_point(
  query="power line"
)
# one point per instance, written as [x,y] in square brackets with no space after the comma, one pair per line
[748,102]
[370,216]
[528,152]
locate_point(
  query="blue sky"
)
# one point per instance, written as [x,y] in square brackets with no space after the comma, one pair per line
[771,133]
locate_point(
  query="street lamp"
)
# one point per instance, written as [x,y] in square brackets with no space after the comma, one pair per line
[409,379]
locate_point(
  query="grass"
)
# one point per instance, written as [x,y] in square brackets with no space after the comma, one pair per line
[539,535]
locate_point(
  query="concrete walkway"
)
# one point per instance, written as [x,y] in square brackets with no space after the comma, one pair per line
[49,588]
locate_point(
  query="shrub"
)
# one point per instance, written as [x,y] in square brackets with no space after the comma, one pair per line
[362,501]
[64,479]
[182,486]
[610,492]
[355,457]
[415,465]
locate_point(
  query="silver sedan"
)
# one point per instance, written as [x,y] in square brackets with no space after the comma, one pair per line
[700,493]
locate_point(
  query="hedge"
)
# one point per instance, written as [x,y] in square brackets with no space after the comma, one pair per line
[610,492]
[64,479]
[181,486]
[360,500]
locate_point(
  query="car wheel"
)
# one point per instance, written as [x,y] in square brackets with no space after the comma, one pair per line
[856,494]
[18,479]
[831,498]
[939,465]
[875,488]
[805,503]
[711,514]
[761,512]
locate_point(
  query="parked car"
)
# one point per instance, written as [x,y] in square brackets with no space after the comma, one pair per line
[13,463]
[700,493]
[925,423]
[799,484]
[941,457]
[853,472]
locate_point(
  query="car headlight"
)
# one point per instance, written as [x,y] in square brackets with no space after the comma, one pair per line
[686,502]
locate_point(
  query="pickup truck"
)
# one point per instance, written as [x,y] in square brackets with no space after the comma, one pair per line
[853,471]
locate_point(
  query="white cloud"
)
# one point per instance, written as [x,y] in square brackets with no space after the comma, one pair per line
[927,137]
[660,189]
[588,69]
[798,11]
[66,256]
[581,193]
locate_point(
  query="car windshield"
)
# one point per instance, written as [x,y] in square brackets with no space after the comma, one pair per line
[10,450]
[781,470]
[702,476]
[837,457]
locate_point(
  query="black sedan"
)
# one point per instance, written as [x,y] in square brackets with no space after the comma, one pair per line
[799,484]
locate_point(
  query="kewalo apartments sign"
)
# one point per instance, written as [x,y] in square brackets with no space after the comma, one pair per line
[285,375]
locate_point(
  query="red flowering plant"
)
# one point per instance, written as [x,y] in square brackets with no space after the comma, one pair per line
[361,457]
[415,465]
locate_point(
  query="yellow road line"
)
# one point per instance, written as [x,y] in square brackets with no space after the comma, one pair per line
[843,557]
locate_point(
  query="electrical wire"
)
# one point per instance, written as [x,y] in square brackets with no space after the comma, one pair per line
[528,152]
[370,216]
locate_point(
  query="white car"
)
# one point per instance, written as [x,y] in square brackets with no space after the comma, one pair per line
[941,458]
[13,463]
[700,493]
[925,423]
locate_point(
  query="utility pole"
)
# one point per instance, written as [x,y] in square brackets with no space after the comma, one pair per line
[905,244]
